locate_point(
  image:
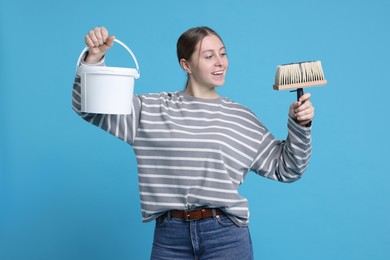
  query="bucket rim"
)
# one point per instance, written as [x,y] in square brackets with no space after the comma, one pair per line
[92,69]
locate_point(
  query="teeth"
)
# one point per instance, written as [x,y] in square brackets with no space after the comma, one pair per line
[217,73]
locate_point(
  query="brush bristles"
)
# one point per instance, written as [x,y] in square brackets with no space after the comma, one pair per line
[299,75]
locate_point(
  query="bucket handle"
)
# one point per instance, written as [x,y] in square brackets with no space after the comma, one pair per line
[124,46]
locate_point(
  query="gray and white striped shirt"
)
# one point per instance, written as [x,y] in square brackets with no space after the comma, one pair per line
[194,152]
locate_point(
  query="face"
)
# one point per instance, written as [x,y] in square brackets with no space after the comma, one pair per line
[208,64]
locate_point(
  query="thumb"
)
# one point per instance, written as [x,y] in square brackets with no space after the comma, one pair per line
[291,111]
[110,41]
[295,105]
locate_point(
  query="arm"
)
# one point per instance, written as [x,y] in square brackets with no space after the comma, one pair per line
[122,126]
[287,160]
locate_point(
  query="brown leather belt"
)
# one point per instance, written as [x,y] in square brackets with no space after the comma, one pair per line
[194,215]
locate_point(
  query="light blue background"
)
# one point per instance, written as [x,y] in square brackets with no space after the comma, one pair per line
[69,190]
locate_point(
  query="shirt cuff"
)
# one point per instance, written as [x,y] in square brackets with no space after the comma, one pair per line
[99,63]
[306,130]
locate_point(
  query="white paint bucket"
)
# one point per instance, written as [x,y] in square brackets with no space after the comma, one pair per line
[107,90]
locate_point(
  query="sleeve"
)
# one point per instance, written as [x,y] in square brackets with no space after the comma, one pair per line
[286,160]
[123,127]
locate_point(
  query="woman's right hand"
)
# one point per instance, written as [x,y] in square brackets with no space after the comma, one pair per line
[98,43]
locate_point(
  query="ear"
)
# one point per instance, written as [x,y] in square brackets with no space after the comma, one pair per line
[184,64]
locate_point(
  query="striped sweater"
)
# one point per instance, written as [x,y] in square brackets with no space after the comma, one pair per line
[194,152]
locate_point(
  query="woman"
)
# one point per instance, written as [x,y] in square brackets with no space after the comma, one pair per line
[194,148]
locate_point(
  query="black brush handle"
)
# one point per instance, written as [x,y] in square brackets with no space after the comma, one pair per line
[299,95]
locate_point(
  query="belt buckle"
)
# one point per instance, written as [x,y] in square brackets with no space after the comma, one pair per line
[187,216]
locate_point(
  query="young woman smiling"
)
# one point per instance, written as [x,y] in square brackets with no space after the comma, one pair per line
[194,149]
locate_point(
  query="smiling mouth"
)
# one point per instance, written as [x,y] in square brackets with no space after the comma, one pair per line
[217,73]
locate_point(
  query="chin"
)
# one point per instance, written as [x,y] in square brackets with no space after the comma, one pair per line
[219,83]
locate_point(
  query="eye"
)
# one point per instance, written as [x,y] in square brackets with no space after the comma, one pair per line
[223,54]
[209,57]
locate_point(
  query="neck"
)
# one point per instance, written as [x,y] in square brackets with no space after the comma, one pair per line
[201,92]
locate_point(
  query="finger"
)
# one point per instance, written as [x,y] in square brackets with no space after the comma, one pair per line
[305,115]
[98,35]
[93,38]
[304,123]
[304,112]
[303,106]
[88,41]
[104,34]
[294,109]
[305,97]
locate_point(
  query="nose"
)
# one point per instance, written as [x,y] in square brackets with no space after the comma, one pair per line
[219,61]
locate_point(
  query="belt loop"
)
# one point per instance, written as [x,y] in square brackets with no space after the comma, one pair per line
[214,213]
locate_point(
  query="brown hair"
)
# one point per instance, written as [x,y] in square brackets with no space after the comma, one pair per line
[187,42]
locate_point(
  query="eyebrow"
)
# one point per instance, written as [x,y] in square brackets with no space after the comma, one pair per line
[223,47]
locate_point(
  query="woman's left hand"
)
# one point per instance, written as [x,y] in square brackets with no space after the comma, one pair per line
[302,111]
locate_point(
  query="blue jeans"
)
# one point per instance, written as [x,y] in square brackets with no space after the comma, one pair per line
[210,238]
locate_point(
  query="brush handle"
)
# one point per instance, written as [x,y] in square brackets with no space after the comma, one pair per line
[299,95]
